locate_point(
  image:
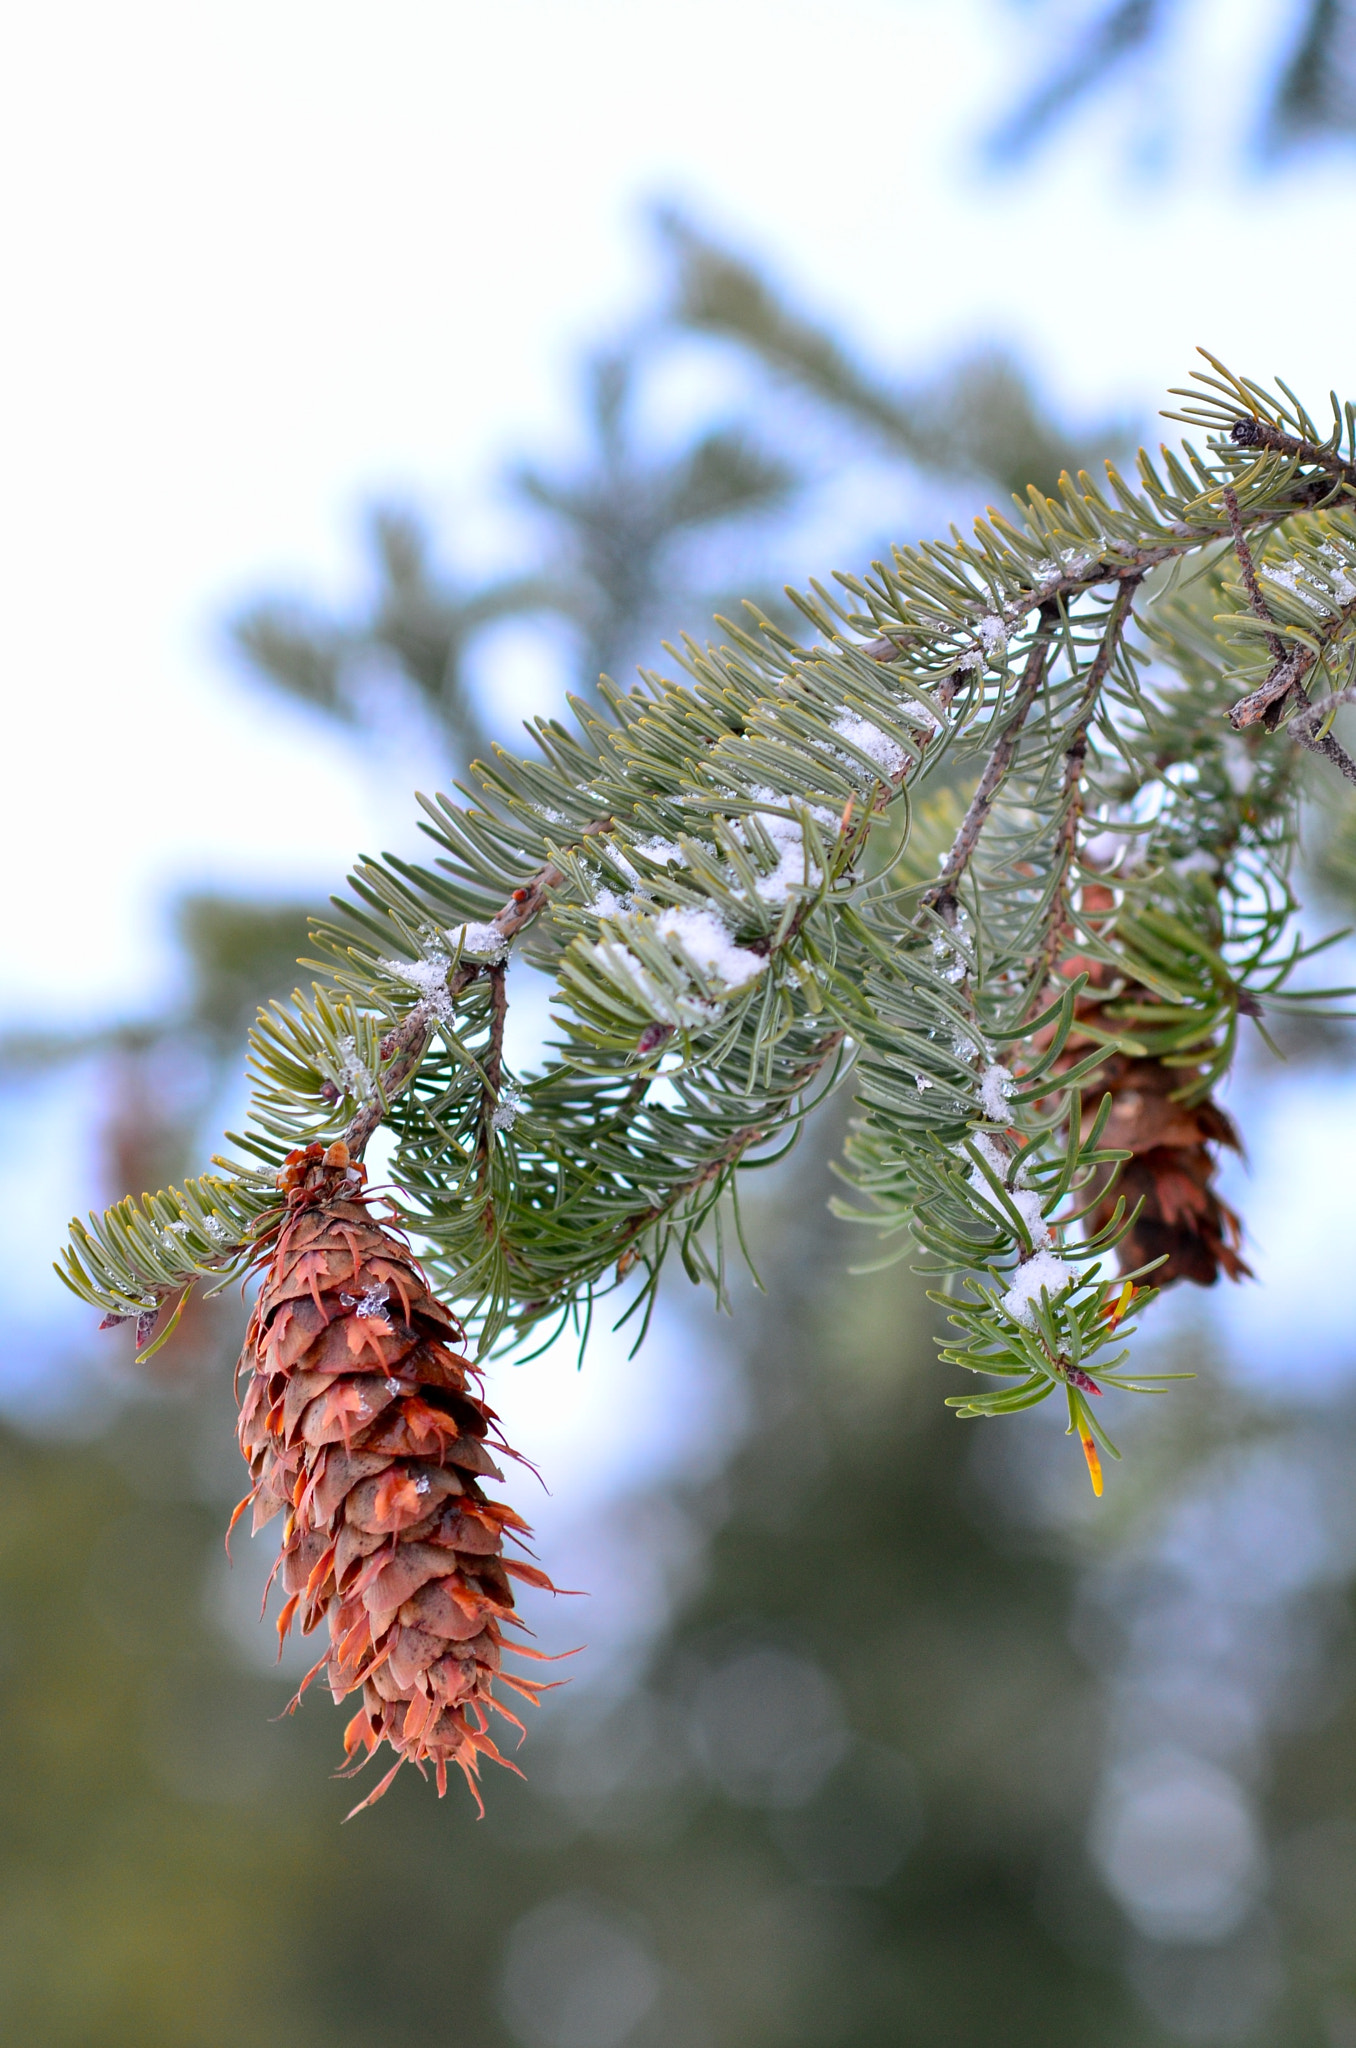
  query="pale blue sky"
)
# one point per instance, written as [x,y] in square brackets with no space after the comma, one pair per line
[262,259]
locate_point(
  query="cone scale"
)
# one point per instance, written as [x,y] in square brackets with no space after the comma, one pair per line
[363,1426]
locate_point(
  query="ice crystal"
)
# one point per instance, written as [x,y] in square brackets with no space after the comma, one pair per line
[506,1111]
[371,1302]
[995,1091]
[349,1073]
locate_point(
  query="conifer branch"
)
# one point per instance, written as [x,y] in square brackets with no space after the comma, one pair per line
[1259,433]
[722,953]
[1286,679]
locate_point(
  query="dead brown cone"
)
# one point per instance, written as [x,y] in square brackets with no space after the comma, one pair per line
[1173,1145]
[361,1424]
[1170,1173]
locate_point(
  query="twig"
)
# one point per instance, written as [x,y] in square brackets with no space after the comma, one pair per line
[1250,583]
[1272,692]
[1278,684]
[404,1044]
[942,895]
[1075,758]
[1254,433]
[729,1155]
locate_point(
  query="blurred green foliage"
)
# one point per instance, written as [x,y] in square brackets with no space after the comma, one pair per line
[824,1817]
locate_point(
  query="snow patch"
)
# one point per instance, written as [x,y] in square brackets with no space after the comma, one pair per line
[709,946]
[1047,1270]
[662,1004]
[480,941]
[429,977]
[794,869]
[889,756]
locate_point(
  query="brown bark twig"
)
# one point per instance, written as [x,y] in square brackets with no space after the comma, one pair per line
[405,1043]
[1276,696]
[1075,758]
[1254,433]
[942,895]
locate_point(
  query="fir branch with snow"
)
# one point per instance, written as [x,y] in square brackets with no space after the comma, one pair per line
[1003,843]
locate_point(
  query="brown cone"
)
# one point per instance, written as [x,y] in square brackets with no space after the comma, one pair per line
[360,1423]
[1171,1171]
[1172,1145]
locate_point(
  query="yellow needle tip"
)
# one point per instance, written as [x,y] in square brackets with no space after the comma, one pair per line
[1094,1463]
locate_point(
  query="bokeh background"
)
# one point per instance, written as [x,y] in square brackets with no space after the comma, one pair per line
[375,376]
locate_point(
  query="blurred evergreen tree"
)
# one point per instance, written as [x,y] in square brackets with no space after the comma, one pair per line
[1307,92]
[977,418]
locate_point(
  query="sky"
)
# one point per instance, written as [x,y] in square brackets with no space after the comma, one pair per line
[264,261]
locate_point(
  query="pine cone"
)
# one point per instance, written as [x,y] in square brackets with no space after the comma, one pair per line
[361,1424]
[1171,1171]
[1172,1143]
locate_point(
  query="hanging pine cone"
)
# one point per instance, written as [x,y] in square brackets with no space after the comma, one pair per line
[1171,1172]
[360,1424]
[1173,1144]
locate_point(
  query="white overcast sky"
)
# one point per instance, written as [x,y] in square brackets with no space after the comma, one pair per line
[261,259]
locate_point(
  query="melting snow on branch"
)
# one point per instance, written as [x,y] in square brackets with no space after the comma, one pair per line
[889,756]
[1045,1270]
[709,946]
[995,1092]
[428,976]
[350,1074]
